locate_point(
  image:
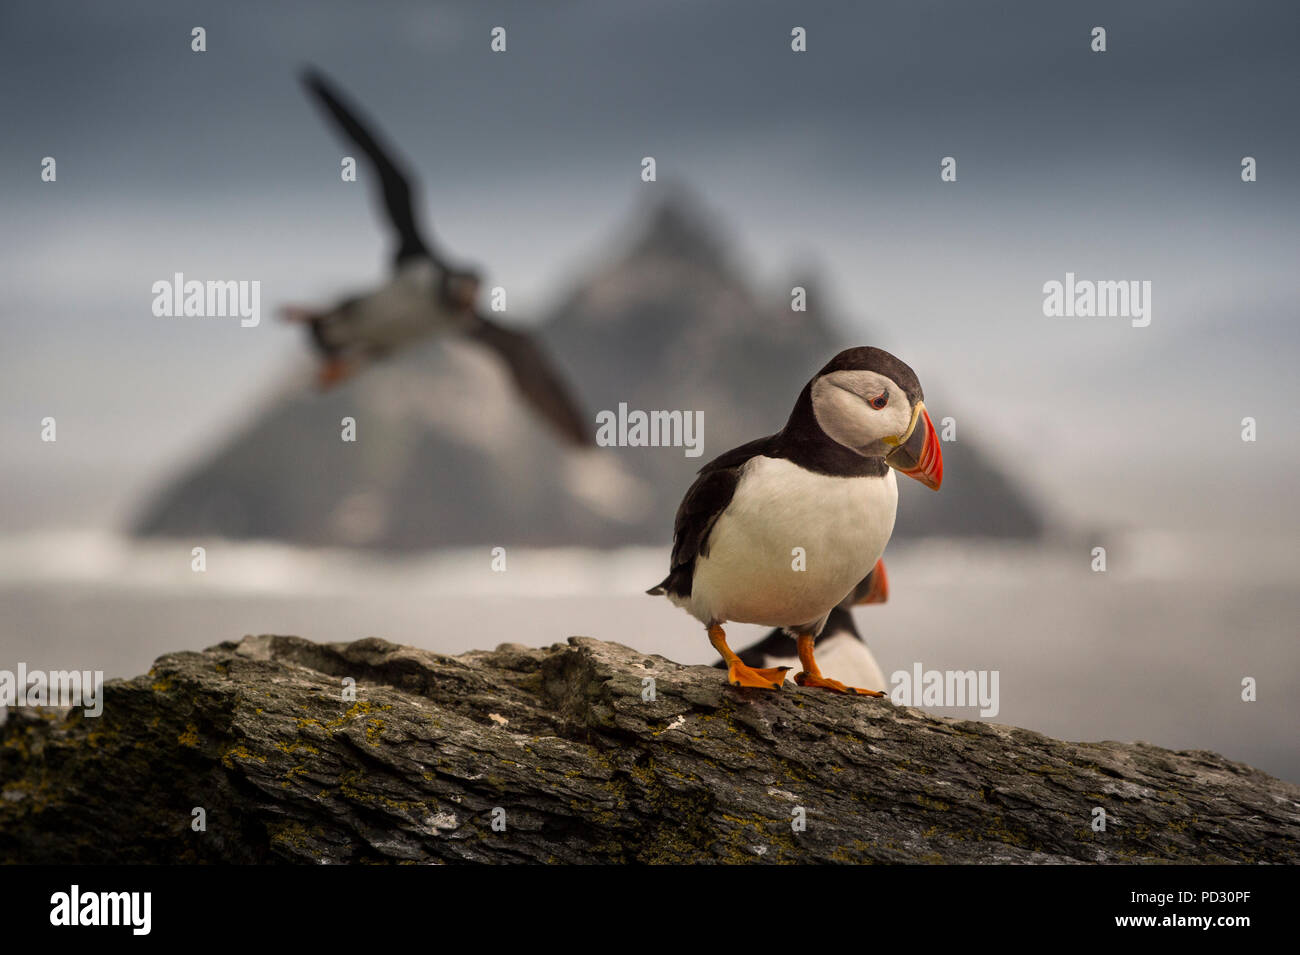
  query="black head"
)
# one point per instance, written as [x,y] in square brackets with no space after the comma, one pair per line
[867,358]
[866,403]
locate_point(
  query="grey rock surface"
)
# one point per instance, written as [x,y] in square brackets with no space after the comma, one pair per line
[564,750]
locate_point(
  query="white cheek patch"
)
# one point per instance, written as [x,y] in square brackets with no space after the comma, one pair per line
[897,417]
[841,405]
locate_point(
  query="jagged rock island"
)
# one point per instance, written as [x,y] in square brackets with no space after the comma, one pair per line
[447,456]
[563,754]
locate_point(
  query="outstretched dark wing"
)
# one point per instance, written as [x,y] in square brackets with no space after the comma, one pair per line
[700,509]
[397,191]
[536,378]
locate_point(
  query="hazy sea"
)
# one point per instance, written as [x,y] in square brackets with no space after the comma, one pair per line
[1155,648]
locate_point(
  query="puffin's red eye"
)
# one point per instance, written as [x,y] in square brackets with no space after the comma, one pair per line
[880,401]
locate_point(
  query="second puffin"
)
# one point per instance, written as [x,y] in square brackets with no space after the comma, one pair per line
[780,530]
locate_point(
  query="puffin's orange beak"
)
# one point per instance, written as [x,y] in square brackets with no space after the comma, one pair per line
[917,454]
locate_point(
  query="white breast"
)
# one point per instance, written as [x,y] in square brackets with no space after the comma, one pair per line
[791,545]
[405,309]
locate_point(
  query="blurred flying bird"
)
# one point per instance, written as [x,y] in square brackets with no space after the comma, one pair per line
[425,296]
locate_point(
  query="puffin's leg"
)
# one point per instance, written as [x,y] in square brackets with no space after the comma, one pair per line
[334,370]
[811,675]
[738,673]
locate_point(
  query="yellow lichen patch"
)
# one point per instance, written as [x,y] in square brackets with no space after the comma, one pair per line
[297,746]
[908,766]
[937,805]
[161,686]
[24,796]
[239,751]
[294,834]
[996,831]
[19,745]
[859,850]
[360,708]
[760,824]
[348,789]
[99,734]
[190,738]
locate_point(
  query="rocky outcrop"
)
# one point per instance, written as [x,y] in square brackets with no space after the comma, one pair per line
[583,752]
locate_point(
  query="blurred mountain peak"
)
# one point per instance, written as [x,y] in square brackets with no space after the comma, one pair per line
[677,225]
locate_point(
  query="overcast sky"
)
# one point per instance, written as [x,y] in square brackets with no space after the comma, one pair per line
[1122,165]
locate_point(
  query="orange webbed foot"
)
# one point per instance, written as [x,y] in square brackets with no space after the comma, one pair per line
[769,678]
[803,678]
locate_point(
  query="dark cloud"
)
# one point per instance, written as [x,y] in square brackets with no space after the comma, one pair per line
[881,82]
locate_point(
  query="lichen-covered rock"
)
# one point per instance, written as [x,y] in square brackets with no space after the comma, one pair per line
[583,752]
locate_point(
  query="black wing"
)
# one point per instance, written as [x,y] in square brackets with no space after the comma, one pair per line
[397,191]
[700,509]
[536,379]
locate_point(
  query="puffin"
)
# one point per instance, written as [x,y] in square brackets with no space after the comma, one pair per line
[839,642]
[424,296]
[783,529]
